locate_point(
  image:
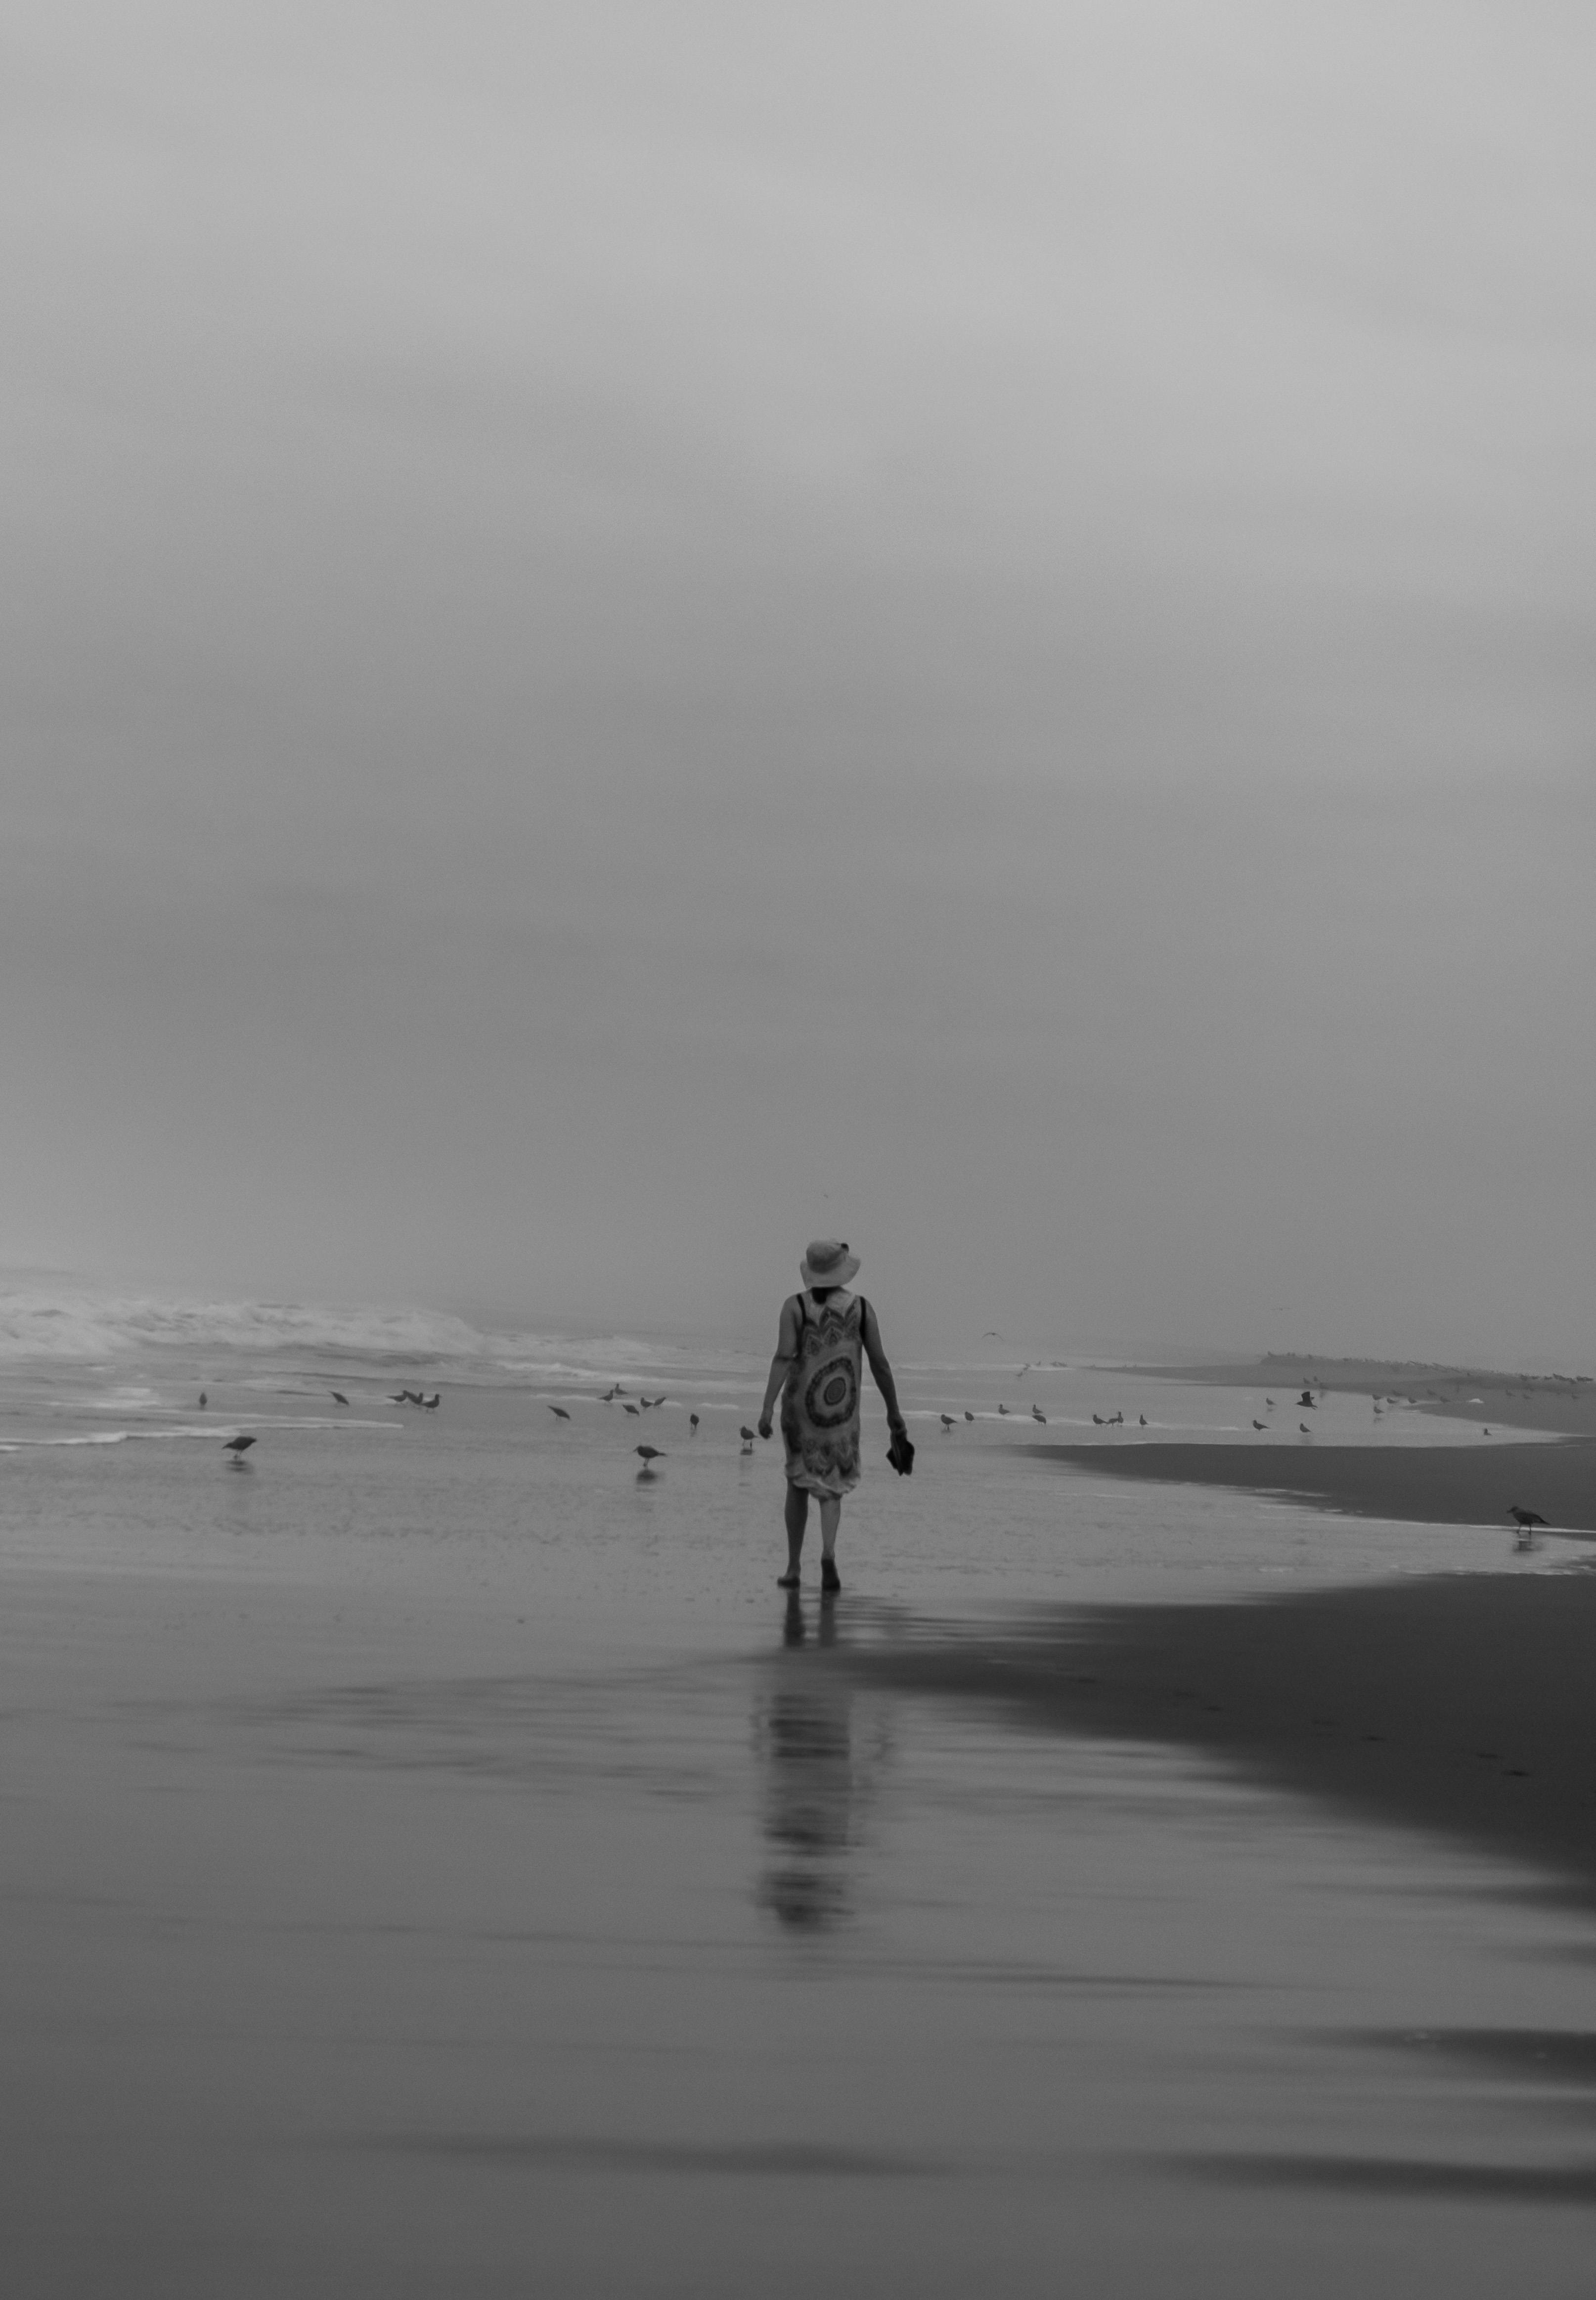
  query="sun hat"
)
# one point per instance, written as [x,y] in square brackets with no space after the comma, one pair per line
[827,1262]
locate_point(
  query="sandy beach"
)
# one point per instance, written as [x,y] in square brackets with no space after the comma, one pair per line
[438,1859]
[1429,1484]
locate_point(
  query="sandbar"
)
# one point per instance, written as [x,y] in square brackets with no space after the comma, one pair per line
[1433,1485]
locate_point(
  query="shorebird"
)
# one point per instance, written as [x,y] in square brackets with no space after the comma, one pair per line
[1306,1399]
[693,1421]
[607,1397]
[1114,1419]
[239,1447]
[1141,1418]
[203,1401]
[1003,1408]
[399,1397]
[1303,1426]
[745,1433]
[1037,1414]
[1100,1421]
[946,1420]
[1268,1401]
[336,1396]
[651,1455]
[1261,1425]
[968,1414]
[432,1402]
[1526,1521]
[629,1409]
[559,1413]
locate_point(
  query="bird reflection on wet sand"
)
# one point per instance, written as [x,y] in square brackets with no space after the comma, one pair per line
[817,1773]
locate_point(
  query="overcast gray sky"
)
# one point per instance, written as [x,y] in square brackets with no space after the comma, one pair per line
[633,632]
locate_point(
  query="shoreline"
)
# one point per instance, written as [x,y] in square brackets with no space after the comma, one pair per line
[1460,1706]
[1432,1485]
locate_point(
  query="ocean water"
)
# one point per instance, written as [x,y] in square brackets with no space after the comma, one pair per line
[439,1860]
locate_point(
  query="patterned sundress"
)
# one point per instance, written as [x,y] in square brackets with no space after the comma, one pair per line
[819,1406]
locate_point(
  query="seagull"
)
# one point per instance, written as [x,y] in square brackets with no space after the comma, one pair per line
[1037,1414]
[1114,1419]
[1141,1418]
[1261,1425]
[1303,1426]
[745,1433]
[202,1401]
[239,1447]
[1003,1408]
[946,1420]
[629,1409]
[336,1396]
[1100,1421]
[399,1397]
[433,1401]
[1268,1401]
[607,1397]
[968,1414]
[1526,1521]
[693,1421]
[559,1412]
[651,1455]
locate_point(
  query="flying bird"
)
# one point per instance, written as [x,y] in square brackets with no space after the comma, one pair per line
[651,1455]
[336,1396]
[559,1412]
[239,1447]
[1306,1399]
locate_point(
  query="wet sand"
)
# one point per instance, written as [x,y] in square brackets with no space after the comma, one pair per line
[460,1872]
[1433,1484]
[1462,1705]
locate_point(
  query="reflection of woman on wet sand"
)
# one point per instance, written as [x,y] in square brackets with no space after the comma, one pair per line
[819,1772]
[823,1333]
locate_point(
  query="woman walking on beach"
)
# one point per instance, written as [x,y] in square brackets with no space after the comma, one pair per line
[825,1331]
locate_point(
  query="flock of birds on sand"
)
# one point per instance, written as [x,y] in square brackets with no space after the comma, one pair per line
[1525,1521]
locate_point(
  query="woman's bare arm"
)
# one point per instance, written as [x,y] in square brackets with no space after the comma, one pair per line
[787,1350]
[881,1370]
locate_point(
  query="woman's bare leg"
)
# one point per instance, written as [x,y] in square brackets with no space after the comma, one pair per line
[831,1517]
[795,1513]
